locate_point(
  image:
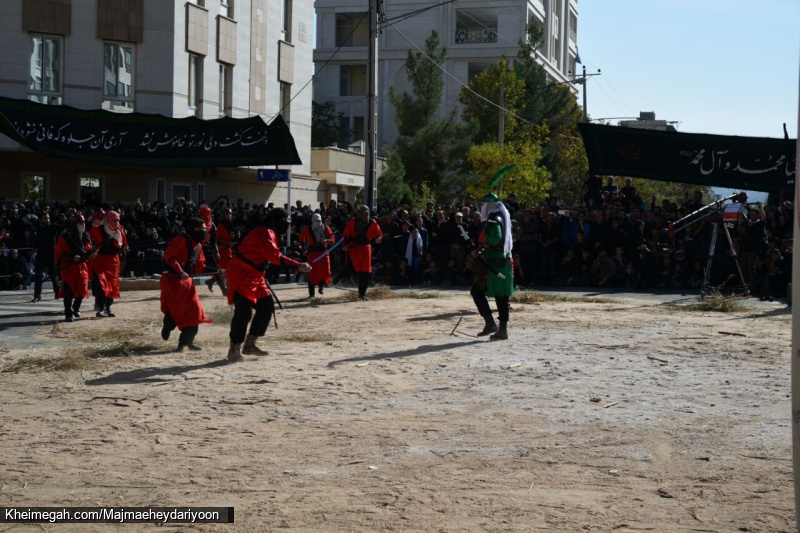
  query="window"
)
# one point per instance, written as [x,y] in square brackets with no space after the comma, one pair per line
[90,190]
[225,96]
[286,98]
[201,3]
[118,77]
[226,8]
[476,68]
[34,188]
[180,193]
[201,193]
[161,187]
[195,92]
[358,129]
[352,29]
[353,80]
[287,21]
[46,70]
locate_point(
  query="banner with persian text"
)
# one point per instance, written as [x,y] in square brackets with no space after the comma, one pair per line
[143,139]
[742,163]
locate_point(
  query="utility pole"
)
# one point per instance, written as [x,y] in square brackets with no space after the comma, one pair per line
[585,111]
[371,157]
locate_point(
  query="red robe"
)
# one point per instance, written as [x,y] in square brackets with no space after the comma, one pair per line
[106,265]
[259,246]
[179,296]
[321,271]
[76,275]
[224,246]
[361,253]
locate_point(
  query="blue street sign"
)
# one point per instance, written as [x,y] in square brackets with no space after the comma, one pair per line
[274,174]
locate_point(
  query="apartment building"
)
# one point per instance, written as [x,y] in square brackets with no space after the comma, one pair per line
[476,33]
[197,58]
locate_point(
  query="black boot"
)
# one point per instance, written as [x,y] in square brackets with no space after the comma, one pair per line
[310,291]
[502,333]
[76,308]
[489,327]
[223,285]
[109,301]
[67,310]
[321,286]
[210,284]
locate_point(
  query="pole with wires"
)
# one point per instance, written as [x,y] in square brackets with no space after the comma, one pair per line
[371,157]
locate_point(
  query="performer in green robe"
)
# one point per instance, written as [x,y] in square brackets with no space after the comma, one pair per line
[493,258]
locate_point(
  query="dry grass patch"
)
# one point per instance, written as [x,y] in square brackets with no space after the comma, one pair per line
[301,336]
[220,314]
[50,364]
[125,340]
[378,292]
[714,302]
[533,297]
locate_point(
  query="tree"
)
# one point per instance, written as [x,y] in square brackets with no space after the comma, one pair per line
[554,109]
[487,86]
[529,181]
[328,126]
[431,149]
[391,185]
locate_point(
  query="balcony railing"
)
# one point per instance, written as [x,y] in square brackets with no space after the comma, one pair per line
[476,35]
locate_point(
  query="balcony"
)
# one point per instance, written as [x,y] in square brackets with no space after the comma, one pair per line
[475,35]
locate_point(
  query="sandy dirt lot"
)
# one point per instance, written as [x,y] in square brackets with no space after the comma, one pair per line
[619,415]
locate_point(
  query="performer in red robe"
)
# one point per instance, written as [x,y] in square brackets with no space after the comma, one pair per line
[73,249]
[316,239]
[358,235]
[225,238]
[97,219]
[211,251]
[247,287]
[179,300]
[113,241]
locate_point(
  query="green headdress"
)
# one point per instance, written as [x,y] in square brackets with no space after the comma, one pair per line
[496,179]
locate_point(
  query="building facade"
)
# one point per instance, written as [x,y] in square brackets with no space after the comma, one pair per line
[203,58]
[476,34]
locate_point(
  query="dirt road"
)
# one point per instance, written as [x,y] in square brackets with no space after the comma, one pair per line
[613,416]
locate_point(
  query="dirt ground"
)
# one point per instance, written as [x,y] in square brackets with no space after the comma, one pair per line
[624,415]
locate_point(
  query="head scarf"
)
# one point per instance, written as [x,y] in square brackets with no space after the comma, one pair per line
[112,226]
[317,227]
[413,241]
[205,214]
[98,217]
[489,209]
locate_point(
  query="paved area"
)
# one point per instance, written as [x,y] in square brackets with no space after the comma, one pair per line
[21,320]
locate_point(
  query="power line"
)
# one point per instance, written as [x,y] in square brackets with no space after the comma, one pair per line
[414,13]
[467,87]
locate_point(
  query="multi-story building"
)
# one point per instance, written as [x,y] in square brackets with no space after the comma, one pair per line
[476,34]
[197,58]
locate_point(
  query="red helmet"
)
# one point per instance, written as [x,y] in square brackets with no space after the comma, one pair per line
[204,211]
[78,218]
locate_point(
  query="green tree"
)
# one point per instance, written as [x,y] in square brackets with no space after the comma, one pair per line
[391,184]
[488,86]
[328,125]
[529,181]
[431,149]
[554,109]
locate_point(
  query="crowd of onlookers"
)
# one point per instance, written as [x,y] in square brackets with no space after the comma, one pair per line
[612,238]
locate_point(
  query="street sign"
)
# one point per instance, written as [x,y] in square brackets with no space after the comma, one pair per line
[274,174]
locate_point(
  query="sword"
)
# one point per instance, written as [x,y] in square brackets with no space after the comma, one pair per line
[329,250]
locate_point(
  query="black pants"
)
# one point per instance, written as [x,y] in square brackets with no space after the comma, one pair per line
[311,286]
[479,297]
[243,311]
[71,304]
[363,283]
[187,334]
[42,264]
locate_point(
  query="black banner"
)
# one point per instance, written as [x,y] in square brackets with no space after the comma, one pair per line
[742,163]
[144,139]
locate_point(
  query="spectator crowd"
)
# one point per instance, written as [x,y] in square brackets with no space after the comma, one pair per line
[611,238]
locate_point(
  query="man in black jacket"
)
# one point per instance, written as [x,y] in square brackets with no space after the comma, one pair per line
[46,236]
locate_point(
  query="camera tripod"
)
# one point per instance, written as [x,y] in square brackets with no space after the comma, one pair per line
[714,208]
